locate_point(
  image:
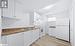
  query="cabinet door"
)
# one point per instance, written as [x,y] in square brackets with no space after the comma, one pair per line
[16,39]
[52,32]
[27,38]
[4,40]
[62,32]
[19,9]
[35,35]
[9,12]
[30,37]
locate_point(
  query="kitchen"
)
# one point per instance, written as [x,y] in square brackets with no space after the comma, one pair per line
[25,22]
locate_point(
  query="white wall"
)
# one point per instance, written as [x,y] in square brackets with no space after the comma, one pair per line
[72,18]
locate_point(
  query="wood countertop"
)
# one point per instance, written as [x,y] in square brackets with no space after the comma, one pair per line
[16,30]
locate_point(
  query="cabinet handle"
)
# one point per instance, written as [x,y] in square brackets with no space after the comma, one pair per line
[52,27]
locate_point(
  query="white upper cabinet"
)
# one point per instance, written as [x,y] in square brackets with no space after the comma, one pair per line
[19,9]
[16,14]
[10,10]
[14,10]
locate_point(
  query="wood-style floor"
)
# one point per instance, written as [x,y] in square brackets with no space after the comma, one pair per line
[50,41]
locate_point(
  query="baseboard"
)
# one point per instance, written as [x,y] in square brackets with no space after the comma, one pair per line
[60,39]
[63,40]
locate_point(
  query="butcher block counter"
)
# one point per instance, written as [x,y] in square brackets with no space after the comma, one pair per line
[16,30]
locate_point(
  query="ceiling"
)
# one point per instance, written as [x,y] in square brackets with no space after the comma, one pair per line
[60,6]
[39,6]
[29,5]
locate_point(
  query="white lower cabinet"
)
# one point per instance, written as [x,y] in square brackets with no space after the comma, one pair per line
[27,38]
[15,39]
[21,39]
[61,32]
[30,37]
[4,41]
[52,32]
[35,35]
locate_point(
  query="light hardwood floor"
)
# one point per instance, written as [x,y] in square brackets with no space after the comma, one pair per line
[50,41]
